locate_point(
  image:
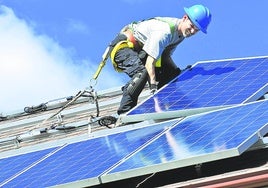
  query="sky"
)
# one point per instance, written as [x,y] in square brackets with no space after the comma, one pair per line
[50,49]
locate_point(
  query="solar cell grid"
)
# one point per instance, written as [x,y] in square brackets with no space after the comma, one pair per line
[228,131]
[14,165]
[196,139]
[210,84]
[86,159]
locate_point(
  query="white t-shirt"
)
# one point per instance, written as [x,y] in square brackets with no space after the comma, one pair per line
[156,35]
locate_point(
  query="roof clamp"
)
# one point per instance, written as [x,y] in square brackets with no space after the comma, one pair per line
[91,99]
[57,122]
[92,95]
[260,136]
[59,118]
[17,143]
[89,93]
[198,169]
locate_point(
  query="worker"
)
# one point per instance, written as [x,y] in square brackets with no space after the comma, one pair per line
[143,51]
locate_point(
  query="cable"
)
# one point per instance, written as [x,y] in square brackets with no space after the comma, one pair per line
[138,185]
[79,94]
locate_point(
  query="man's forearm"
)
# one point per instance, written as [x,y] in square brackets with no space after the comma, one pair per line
[149,65]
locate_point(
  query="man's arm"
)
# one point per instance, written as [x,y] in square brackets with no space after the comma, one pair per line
[150,67]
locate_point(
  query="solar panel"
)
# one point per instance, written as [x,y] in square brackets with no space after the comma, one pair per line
[208,85]
[198,139]
[85,160]
[172,144]
[167,145]
[12,166]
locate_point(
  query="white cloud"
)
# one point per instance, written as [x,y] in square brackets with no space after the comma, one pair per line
[76,26]
[34,68]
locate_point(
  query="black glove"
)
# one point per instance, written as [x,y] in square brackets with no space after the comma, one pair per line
[153,88]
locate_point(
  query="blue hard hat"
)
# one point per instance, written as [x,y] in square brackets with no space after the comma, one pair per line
[200,16]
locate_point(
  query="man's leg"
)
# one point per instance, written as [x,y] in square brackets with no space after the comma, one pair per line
[129,61]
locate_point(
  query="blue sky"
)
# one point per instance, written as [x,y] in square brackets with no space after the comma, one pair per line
[51,48]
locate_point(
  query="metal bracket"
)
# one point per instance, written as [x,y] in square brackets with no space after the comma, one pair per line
[59,118]
[198,169]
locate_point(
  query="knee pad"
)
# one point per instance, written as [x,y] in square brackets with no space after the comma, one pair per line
[137,83]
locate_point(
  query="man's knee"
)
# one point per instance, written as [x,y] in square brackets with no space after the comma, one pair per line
[137,83]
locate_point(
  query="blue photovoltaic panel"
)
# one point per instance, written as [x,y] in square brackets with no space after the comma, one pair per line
[210,84]
[86,159]
[217,132]
[14,165]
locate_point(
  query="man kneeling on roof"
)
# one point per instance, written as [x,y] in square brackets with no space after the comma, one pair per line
[143,51]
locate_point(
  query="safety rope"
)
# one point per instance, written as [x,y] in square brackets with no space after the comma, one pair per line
[79,94]
[102,63]
[105,56]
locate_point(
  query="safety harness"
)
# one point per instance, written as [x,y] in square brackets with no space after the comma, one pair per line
[120,45]
[131,42]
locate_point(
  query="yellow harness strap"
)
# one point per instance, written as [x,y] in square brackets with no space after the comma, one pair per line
[118,46]
[126,44]
[158,62]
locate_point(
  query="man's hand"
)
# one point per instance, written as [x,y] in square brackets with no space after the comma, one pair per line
[153,88]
